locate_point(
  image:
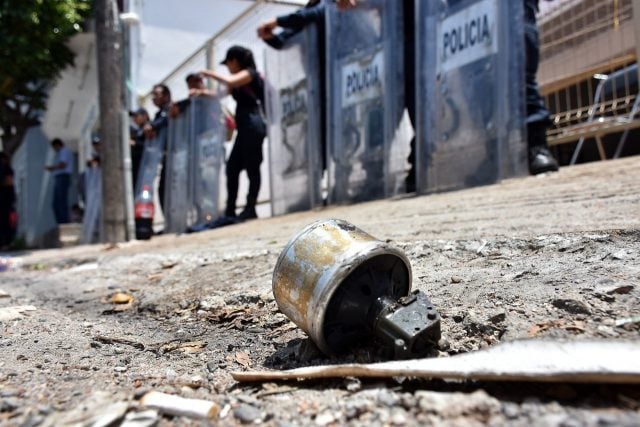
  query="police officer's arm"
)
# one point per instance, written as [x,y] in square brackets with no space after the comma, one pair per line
[161,120]
[292,24]
[302,17]
[232,81]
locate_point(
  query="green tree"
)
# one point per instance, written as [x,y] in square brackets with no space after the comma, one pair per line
[33,53]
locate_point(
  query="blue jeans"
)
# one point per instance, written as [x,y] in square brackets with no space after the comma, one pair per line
[60,197]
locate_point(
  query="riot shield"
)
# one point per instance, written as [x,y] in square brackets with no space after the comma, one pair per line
[178,203]
[93,205]
[207,133]
[150,164]
[470,93]
[365,71]
[293,111]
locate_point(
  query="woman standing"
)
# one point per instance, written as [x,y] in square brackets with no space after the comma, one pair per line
[247,88]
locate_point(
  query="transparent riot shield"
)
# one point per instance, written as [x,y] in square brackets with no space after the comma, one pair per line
[178,203]
[93,205]
[470,93]
[293,111]
[365,75]
[150,165]
[207,133]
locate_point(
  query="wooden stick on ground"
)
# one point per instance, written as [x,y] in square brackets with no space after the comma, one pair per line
[584,361]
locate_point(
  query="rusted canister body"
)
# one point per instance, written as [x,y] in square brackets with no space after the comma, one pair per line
[333,267]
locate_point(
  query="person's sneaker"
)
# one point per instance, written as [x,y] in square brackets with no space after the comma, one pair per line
[247,214]
[541,160]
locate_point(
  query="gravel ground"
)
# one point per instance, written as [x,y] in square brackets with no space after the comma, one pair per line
[554,257]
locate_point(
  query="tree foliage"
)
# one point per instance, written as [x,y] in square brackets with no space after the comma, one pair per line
[33,53]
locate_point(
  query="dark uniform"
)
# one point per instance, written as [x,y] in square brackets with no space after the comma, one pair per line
[540,159]
[161,121]
[7,203]
[247,148]
[137,149]
[410,83]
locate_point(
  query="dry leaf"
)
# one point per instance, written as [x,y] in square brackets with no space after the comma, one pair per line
[243,359]
[154,277]
[169,264]
[186,347]
[121,298]
[192,347]
[577,326]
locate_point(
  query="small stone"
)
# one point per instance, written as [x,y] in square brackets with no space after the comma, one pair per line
[408,401]
[170,375]
[8,405]
[9,392]
[353,384]
[387,398]
[212,303]
[120,369]
[444,345]
[456,279]
[450,405]
[325,418]
[498,318]
[620,255]
[619,290]
[510,410]
[247,414]
[398,417]
[571,306]
[45,409]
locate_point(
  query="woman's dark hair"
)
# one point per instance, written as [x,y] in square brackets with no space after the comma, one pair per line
[241,54]
[312,3]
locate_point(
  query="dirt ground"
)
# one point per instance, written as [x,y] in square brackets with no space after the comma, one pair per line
[556,256]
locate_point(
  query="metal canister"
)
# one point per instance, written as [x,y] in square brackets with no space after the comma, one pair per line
[328,278]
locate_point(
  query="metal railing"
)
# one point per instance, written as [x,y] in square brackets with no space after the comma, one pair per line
[587,71]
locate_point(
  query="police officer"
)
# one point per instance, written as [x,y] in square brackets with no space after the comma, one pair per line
[161,97]
[312,14]
[540,159]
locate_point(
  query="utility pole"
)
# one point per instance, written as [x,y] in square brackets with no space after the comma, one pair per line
[111,147]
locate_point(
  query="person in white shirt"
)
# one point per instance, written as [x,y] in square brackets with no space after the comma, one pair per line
[61,169]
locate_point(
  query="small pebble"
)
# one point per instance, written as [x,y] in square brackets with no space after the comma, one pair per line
[247,414]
